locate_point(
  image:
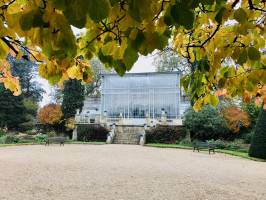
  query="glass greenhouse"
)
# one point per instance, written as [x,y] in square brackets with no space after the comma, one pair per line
[139,95]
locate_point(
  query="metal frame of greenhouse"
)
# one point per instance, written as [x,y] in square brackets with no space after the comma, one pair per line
[141,95]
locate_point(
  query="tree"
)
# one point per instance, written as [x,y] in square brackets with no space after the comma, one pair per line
[12,110]
[168,61]
[223,40]
[92,89]
[50,114]
[73,98]
[205,124]
[258,142]
[235,118]
[27,70]
[253,112]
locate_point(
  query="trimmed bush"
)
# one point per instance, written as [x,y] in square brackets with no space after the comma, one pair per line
[206,124]
[92,133]
[258,142]
[165,134]
[247,137]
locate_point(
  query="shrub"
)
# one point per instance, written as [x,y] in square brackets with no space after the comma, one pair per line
[258,142]
[88,133]
[220,144]
[228,145]
[165,134]
[253,112]
[2,132]
[50,114]
[206,124]
[247,137]
[235,118]
[51,134]
[8,139]
[41,138]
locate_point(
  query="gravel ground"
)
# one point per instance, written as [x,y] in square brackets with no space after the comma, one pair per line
[124,172]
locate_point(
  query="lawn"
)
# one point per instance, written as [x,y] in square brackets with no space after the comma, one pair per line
[229,152]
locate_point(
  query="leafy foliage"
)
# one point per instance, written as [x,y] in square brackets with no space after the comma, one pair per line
[12,110]
[235,118]
[93,88]
[73,98]
[206,124]
[92,133]
[41,138]
[27,72]
[50,114]
[165,134]
[9,139]
[223,40]
[258,143]
[253,112]
[168,61]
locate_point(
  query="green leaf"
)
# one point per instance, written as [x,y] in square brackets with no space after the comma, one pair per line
[60,4]
[207,2]
[242,57]
[140,38]
[221,82]
[250,87]
[3,49]
[204,65]
[160,41]
[183,15]
[253,53]
[220,14]
[114,2]
[76,13]
[130,57]
[213,100]
[240,15]
[120,67]
[98,9]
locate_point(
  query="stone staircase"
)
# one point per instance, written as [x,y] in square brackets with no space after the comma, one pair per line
[127,134]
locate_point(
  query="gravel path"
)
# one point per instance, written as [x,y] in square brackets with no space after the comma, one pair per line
[124,172]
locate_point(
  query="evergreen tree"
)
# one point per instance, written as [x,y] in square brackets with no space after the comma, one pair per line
[27,71]
[73,97]
[258,143]
[12,109]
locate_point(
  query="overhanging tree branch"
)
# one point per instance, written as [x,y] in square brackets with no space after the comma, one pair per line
[252,7]
[208,39]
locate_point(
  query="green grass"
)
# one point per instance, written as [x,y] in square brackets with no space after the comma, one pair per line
[229,152]
[17,144]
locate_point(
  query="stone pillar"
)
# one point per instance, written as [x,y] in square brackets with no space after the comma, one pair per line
[148,119]
[75,133]
[111,135]
[121,119]
[163,117]
[143,136]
